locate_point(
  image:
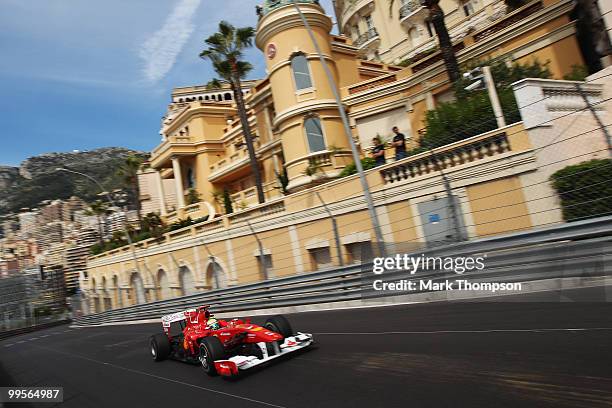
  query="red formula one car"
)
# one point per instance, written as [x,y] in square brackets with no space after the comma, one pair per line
[224,347]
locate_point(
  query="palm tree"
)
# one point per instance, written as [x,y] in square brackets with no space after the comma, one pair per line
[225,49]
[128,171]
[98,208]
[436,18]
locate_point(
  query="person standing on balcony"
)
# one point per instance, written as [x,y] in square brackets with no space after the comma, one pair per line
[399,141]
[378,152]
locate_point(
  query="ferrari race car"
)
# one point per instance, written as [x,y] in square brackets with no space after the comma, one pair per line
[224,347]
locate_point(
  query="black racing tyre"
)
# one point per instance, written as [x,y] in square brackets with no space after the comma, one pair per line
[211,350]
[160,347]
[279,324]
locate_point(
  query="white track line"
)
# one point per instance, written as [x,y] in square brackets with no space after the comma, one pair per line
[569,329]
[162,378]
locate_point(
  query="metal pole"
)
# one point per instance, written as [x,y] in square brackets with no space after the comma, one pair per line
[112,202]
[347,130]
[262,257]
[334,227]
[497,109]
[603,128]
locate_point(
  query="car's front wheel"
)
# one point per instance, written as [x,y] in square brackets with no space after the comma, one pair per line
[279,324]
[159,346]
[211,350]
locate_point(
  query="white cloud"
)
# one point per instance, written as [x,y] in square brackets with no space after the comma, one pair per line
[160,51]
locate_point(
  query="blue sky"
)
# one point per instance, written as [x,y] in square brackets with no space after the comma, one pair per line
[80,74]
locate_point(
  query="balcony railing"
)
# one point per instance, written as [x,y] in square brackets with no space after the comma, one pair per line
[409,8]
[366,37]
[467,151]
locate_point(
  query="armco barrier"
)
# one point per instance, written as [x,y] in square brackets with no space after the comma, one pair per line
[29,329]
[580,249]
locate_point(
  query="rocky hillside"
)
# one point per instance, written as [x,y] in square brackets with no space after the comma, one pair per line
[37,180]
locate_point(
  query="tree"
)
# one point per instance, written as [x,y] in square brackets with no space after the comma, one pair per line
[128,171]
[98,208]
[225,51]
[436,18]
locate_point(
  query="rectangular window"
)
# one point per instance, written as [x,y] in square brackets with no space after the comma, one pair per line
[320,258]
[359,252]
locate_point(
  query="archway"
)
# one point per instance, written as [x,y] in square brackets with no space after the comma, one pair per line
[94,296]
[186,281]
[106,300]
[118,300]
[163,287]
[215,276]
[137,290]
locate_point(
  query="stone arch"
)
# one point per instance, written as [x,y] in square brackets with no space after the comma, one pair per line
[106,299]
[163,285]
[95,296]
[186,281]
[214,274]
[137,290]
[117,291]
[227,96]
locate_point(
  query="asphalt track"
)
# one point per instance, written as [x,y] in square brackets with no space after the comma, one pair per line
[487,354]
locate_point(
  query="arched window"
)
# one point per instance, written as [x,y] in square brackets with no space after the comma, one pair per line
[301,72]
[118,300]
[186,281]
[137,289]
[228,96]
[215,276]
[314,134]
[164,286]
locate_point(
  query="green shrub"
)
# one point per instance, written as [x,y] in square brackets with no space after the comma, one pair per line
[584,189]
[472,114]
[578,73]
[367,163]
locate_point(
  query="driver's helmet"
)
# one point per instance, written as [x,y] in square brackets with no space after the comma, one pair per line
[213,324]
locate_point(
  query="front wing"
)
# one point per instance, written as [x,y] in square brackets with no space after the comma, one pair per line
[235,364]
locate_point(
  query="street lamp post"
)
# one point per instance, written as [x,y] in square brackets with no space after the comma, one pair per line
[483,78]
[112,202]
[347,130]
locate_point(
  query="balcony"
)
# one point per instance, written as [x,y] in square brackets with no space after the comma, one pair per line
[369,39]
[173,145]
[229,166]
[465,152]
[355,8]
[412,12]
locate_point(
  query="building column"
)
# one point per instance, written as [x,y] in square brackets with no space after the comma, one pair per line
[178,182]
[162,198]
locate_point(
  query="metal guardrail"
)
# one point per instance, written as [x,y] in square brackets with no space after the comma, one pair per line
[579,249]
[29,329]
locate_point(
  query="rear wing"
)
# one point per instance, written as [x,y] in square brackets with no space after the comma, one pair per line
[175,317]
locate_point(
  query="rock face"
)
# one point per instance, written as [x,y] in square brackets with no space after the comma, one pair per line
[45,163]
[37,179]
[8,175]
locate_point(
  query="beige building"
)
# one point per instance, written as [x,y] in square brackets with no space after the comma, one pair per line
[298,132]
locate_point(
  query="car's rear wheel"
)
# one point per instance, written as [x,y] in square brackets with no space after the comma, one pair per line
[211,350]
[159,346]
[279,324]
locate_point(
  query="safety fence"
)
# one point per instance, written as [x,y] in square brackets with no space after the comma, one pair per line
[579,250]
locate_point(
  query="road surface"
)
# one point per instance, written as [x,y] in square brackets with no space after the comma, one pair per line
[447,354]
